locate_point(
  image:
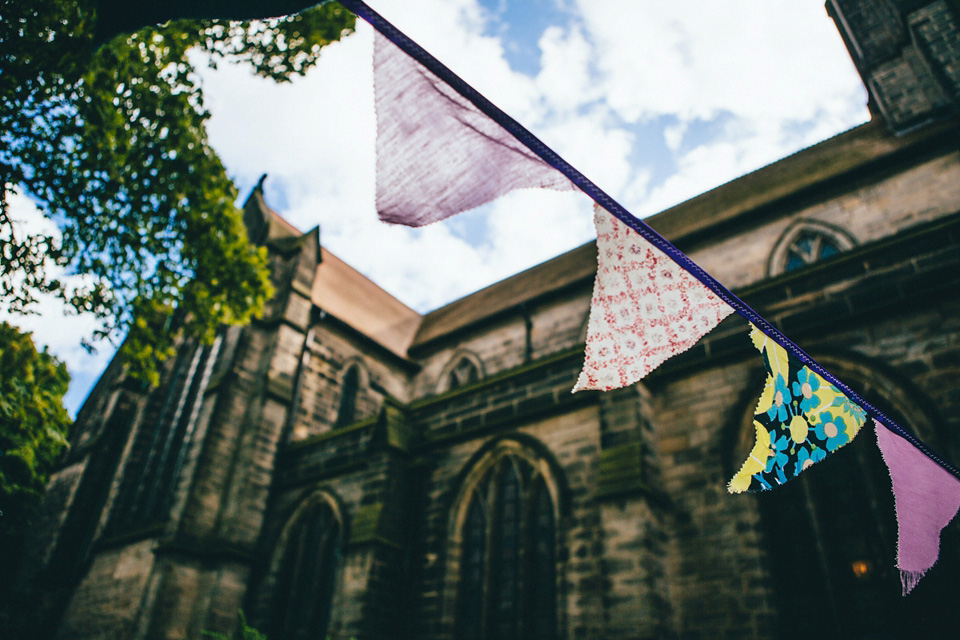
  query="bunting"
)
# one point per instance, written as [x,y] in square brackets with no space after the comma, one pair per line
[443,148]
[926,498]
[645,308]
[437,154]
[799,420]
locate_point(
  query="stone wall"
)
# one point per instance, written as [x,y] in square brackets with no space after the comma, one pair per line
[648,542]
[333,348]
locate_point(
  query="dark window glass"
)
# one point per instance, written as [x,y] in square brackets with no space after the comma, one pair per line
[163,442]
[305,581]
[542,588]
[808,247]
[508,560]
[472,570]
[832,535]
[348,397]
[463,373]
[505,556]
[78,530]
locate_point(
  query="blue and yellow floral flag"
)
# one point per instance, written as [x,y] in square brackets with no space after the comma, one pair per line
[800,419]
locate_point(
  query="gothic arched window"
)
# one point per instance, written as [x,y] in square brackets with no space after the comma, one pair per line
[508,570]
[306,574]
[163,442]
[349,388]
[807,242]
[831,538]
[462,373]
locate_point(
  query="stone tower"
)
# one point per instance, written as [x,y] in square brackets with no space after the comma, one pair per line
[151,524]
[908,54]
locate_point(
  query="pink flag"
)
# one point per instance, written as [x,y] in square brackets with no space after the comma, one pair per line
[927,498]
[437,154]
[645,308]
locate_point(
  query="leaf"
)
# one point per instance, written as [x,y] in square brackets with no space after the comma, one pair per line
[33,425]
[112,146]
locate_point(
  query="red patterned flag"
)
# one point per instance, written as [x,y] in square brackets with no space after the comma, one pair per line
[645,308]
[927,498]
[437,153]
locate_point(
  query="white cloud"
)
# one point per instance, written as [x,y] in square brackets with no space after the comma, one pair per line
[771,76]
[564,81]
[673,134]
[313,135]
[594,147]
[54,326]
[755,58]
[776,70]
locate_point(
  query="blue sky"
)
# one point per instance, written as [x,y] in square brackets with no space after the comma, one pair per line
[654,101]
[520,25]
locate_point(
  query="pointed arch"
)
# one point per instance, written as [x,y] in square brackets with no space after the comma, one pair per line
[831,533]
[304,571]
[502,573]
[463,368]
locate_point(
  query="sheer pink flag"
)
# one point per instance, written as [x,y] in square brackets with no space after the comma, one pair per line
[437,154]
[645,308]
[927,498]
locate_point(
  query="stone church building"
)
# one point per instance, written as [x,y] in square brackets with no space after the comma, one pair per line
[344,467]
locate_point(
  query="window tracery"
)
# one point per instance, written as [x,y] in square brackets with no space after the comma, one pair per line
[807,242]
[831,533]
[463,373]
[306,574]
[810,246]
[508,570]
[163,442]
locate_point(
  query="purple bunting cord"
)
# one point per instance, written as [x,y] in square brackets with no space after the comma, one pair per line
[549,156]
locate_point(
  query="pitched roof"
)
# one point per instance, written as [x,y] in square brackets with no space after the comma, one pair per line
[570,268]
[355,300]
[807,170]
[339,289]
[836,157]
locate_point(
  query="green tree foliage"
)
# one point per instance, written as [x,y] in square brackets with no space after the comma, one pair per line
[33,426]
[111,144]
[245,632]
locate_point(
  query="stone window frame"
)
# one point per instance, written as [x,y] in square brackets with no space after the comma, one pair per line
[477,472]
[836,235]
[460,358]
[314,499]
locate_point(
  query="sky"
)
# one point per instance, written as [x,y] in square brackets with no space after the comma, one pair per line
[653,101]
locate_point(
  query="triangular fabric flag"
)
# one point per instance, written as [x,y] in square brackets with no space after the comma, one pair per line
[645,308]
[437,153]
[927,498]
[799,420]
